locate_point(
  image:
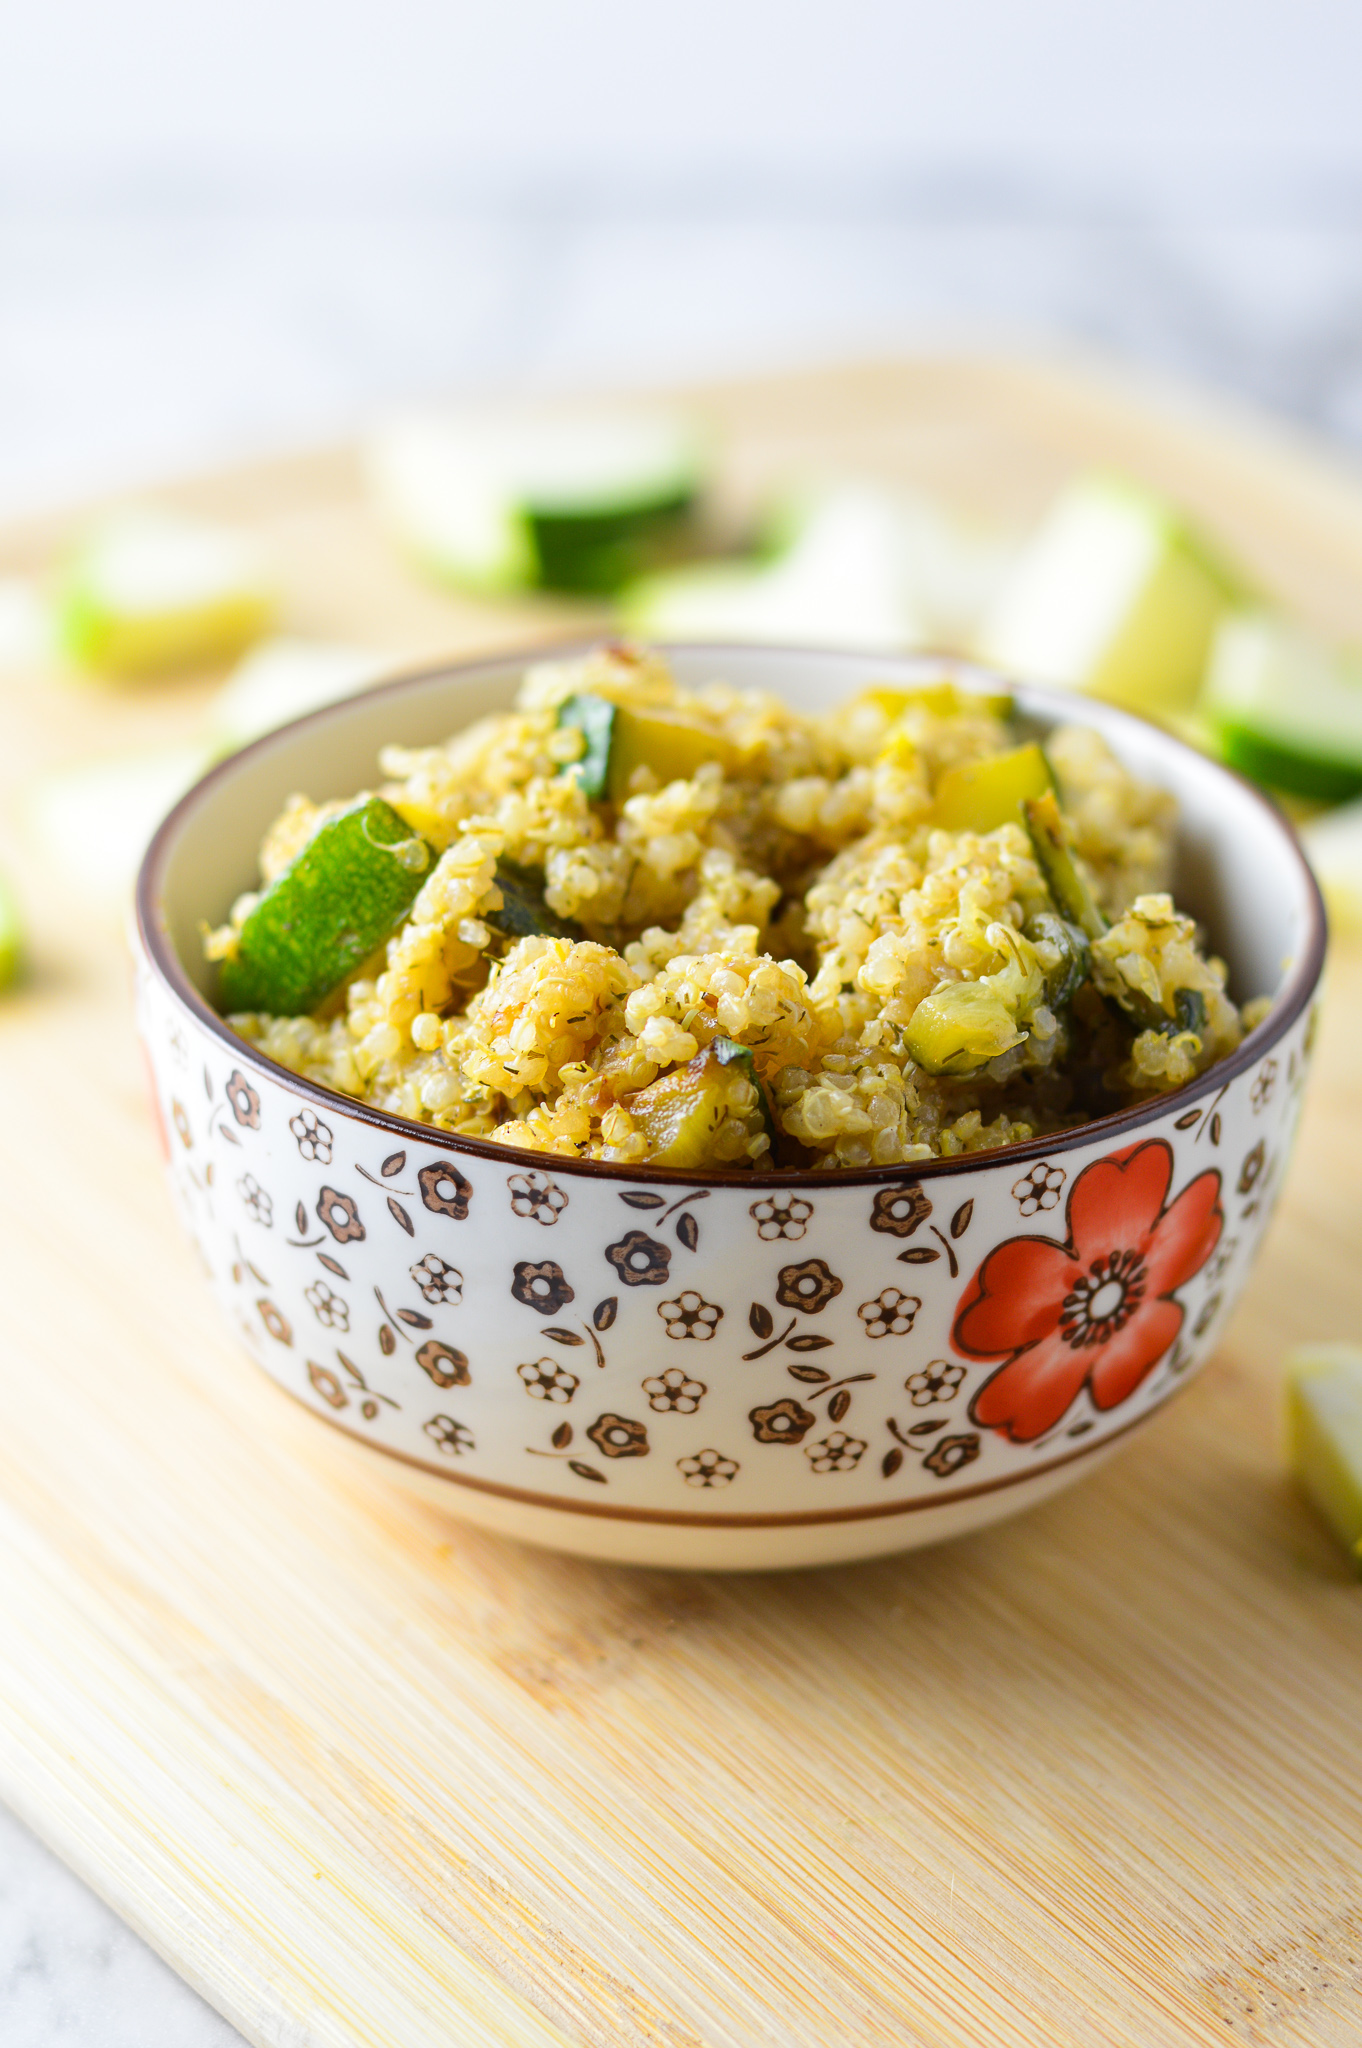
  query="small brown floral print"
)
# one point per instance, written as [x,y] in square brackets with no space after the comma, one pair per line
[708,1468]
[890,1314]
[181,1123]
[278,1325]
[835,1453]
[615,1436]
[534,1194]
[449,1437]
[1210,1310]
[936,1382]
[443,1364]
[547,1380]
[313,1137]
[1251,1171]
[950,1454]
[1223,1260]
[899,1210]
[1039,1188]
[340,1216]
[444,1189]
[254,1198]
[1264,1084]
[541,1286]
[437,1280]
[690,1315]
[640,1260]
[810,1286]
[327,1307]
[784,1422]
[244,1100]
[781,1215]
[327,1385]
[670,1392]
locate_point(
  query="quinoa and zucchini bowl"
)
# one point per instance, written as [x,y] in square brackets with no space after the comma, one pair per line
[702,930]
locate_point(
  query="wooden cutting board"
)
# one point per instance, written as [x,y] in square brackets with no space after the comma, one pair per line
[366,1778]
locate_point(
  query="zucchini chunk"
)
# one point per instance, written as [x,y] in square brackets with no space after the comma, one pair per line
[11,936]
[524,914]
[978,796]
[345,893]
[681,1114]
[1324,1414]
[1050,841]
[620,739]
[1286,709]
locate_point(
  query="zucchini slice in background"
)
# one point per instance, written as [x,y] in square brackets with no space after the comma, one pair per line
[11,936]
[1286,709]
[283,679]
[347,891]
[153,590]
[1324,1420]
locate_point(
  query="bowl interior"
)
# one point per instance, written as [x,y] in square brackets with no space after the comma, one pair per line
[1238,866]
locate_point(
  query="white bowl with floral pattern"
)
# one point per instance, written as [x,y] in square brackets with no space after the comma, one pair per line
[740,1370]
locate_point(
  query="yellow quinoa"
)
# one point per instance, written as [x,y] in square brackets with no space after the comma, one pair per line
[736,958]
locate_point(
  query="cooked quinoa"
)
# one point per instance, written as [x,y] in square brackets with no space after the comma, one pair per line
[732,961]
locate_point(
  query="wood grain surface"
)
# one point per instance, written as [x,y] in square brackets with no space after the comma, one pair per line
[367,1778]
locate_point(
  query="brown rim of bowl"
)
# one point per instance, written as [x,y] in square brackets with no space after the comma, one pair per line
[1291,999]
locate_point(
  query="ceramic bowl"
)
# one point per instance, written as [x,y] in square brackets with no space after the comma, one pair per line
[735,1370]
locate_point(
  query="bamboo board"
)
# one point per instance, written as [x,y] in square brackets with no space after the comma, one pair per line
[369,1780]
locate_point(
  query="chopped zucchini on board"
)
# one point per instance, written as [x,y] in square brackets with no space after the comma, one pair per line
[345,893]
[1115,595]
[1286,709]
[618,738]
[11,936]
[503,500]
[285,678]
[155,590]
[683,1113]
[978,796]
[1324,1421]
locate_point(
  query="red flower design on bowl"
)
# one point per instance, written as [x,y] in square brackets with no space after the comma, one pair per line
[1097,1310]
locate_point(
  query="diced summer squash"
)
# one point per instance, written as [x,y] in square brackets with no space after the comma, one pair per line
[1074,961]
[345,893]
[1117,596]
[961,1027]
[153,590]
[683,1114]
[978,796]
[620,738]
[1324,1419]
[285,678]
[1286,709]
[11,936]
[511,500]
[944,700]
[1050,840]
[524,913]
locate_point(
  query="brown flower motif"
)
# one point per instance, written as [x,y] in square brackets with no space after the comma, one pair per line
[671,1391]
[546,1380]
[1209,1311]
[244,1100]
[899,1210]
[534,1194]
[449,1437]
[690,1315]
[437,1280]
[447,1367]
[708,1468]
[1039,1188]
[444,1189]
[254,1198]
[327,1385]
[890,1314]
[1251,1171]
[950,1454]
[278,1325]
[781,1215]
[340,1215]
[784,1422]
[836,1453]
[327,1306]
[541,1286]
[640,1260]
[313,1137]
[181,1123]
[936,1382]
[1264,1085]
[810,1286]
[615,1436]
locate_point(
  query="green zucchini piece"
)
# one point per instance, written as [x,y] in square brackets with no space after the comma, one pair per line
[594,718]
[1285,708]
[978,796]
[1050,840]
[153,590]
[524,914]
[729,1052]
[11,936]
[1324,1420]
[1075,955]
[681,1113]
[345,893]
[960,1028]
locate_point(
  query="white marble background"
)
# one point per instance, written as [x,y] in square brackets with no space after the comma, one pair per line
[224,232]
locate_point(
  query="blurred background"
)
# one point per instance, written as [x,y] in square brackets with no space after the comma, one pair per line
[231,231]
[225,230]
